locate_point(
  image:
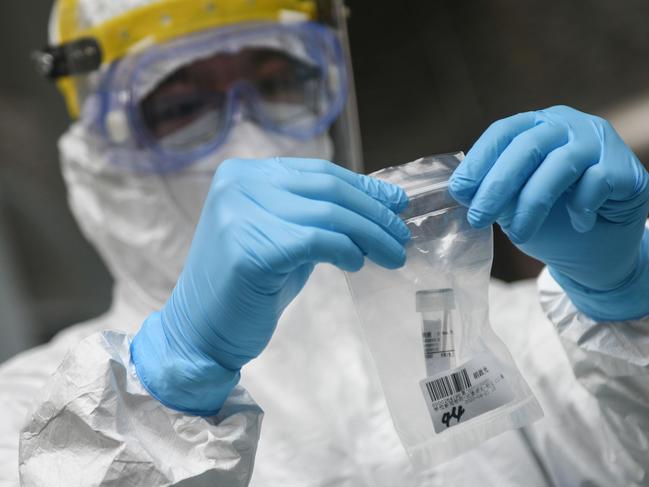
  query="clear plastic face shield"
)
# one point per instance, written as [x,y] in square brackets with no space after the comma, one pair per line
[175,103]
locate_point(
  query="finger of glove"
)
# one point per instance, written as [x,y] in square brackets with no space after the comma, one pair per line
[289,246]
[588,196]
[512,170]
[324,187]
[318,245]
[559,171]
[626,174]
[376,243]
[466,179]
[386,193]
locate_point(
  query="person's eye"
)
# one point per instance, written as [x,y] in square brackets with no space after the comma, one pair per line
[178,107]
[273,86]
[163,109]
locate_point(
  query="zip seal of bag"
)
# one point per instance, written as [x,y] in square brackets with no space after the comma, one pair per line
[449,381]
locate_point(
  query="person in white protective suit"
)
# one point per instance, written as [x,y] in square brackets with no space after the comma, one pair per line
[168,387]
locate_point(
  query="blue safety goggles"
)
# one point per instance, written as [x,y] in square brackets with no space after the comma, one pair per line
[175,103]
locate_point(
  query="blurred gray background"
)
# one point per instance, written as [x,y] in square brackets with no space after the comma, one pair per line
[431,75]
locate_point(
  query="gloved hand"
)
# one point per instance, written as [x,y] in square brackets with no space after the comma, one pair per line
[264,226]
[568,191]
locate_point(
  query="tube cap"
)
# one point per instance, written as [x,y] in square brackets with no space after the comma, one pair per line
[435,300]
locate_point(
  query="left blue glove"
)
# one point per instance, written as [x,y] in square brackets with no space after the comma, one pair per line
[264,226]
[568,191]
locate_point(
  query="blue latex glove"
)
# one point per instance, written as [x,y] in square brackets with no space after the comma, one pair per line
[568,191]
[264,226]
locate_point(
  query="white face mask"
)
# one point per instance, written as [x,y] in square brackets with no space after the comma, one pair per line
[143,224]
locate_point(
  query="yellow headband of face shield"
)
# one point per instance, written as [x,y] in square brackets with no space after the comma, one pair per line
[162,21]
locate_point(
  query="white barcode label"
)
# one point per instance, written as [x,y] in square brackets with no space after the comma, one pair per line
[463,393]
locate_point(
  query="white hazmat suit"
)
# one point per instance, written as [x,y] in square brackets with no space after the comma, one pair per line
[90,422]
[75,412]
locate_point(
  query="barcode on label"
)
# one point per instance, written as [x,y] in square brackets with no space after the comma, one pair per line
[448,385]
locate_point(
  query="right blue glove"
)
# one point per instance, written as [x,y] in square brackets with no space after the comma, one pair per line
[567,190]
[264,226]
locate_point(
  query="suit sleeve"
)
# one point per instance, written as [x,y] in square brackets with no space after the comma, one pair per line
[611,360]
[95,424]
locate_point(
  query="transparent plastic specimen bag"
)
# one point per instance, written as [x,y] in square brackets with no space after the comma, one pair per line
[449,381]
